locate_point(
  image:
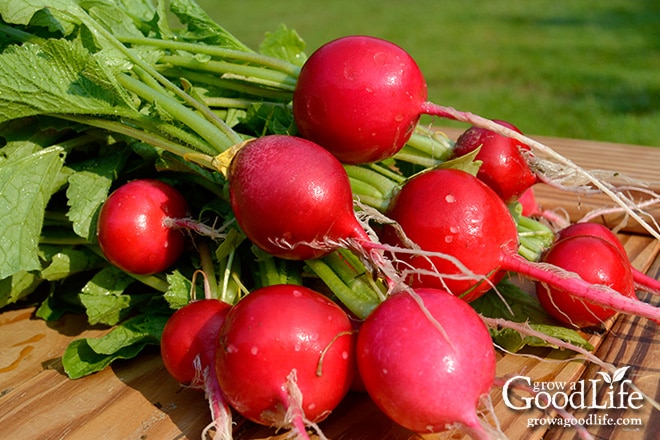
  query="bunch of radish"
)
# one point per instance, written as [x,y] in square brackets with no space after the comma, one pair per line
[285,355]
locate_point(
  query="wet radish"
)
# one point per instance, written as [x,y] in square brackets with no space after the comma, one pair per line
[359,97]
[133,232]
[292,198]
[504,167]
[595,260]
[426,358]
[190,333]
[286,356]
[468,239]
[642,281]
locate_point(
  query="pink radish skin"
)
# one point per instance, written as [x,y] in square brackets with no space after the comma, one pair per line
[292,198]
[642,281]
[277,330]
[595,260]
[422,378]
[464,218]
[359,97]
[504,167]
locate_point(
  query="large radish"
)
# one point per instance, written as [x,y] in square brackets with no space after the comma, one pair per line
[426,358]
[292,198]
[286,356]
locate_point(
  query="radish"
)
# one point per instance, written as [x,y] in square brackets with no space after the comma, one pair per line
[451,211]
[192,332]
[292,198]
[504,167]
[642,281]
[426,358]
[360,97]
[286,356]
[132,228]
[468,239]
[188,347]
[595,260]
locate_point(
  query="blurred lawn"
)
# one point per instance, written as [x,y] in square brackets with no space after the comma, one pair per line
[585,69]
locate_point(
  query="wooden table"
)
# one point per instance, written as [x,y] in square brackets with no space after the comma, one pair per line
[138,400]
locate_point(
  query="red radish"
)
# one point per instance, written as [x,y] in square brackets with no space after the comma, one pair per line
[530,206]
[360,96]
[456,219]
[188,347]
[425,359]
[504,167]
[292,198]
[191,332]
[642,281]
[132,230]
[452,212]
[595,260]
[286,356]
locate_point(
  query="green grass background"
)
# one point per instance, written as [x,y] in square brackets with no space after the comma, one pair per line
[587,69]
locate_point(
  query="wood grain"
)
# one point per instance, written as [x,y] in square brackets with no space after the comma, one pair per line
[138,400]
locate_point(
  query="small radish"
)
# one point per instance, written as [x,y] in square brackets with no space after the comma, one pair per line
[426,358]
[286,356]
[504,167]
[292,198]
[132,226]
[468,239]
[191,332]
[595,260]
[360,97]
[188,347]
[642,281]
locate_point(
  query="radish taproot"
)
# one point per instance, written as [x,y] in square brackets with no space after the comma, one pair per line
[360,97]
[468,239]
[504,167]
[292,198]
[132,228]
[188,347]
[426,358]
[286,356]
[595,260]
